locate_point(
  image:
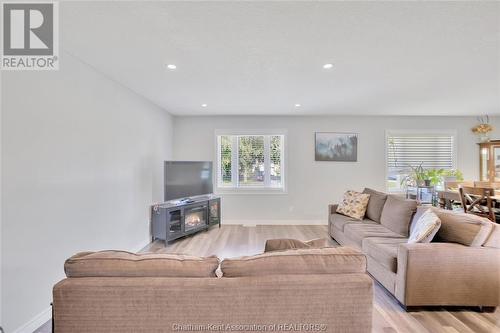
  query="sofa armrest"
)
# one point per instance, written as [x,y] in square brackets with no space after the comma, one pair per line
[447,274]
[332,209]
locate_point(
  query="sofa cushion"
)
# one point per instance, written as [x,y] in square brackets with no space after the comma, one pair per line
[339,221]
[384,251]
[380,273]
[353,204]
[328,260]
[375,204]
[122,263]
[397,214]
[425,228]
[462,228]
[288,244]
[357,232]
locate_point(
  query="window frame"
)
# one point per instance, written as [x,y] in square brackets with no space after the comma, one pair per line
[388,132]
[220,189]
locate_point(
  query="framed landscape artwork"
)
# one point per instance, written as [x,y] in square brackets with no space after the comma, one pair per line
[339,147]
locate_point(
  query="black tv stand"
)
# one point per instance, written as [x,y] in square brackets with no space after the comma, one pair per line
[179,218]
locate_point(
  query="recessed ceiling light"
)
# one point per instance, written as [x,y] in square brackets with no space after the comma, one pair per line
[171,66]
[328,66]
[298,105]
[204,105]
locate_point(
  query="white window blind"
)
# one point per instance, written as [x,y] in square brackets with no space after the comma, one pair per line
[407,150]
[250,161]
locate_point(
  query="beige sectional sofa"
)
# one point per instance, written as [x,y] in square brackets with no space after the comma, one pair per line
[461,266]
[115,291]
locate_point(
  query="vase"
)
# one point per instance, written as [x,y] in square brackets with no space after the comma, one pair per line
[484,137]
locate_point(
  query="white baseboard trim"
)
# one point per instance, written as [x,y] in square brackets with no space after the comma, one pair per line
[140,245]
[275,222]
[36,322]
[43,317]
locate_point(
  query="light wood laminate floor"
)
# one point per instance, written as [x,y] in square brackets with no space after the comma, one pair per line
[388,316]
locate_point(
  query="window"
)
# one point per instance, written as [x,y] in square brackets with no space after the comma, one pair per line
[250,161]
[409,149]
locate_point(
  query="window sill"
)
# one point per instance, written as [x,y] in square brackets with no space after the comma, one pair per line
[250,191]
[399,193]
[396,191]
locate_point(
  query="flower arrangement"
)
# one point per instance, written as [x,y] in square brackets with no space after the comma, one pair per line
[483,128]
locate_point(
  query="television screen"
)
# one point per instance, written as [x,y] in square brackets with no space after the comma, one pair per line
[187,179]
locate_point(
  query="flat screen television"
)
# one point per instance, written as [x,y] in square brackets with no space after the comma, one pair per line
[187,179]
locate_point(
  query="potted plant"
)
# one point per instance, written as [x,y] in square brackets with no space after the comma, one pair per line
[417,176]
[453,175]
[433,176]
[437,176]
[430,177]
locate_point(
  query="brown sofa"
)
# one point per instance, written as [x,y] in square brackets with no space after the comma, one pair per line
[460,267]
[116,291]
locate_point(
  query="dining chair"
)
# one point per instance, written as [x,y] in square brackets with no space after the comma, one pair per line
[478,201]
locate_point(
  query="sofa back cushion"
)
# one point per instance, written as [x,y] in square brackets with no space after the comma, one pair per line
[126,264]
[375,204]
[299,261]
[462,228]
[397,214]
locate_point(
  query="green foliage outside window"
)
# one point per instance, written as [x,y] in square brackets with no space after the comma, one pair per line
[225,147]
[250,159]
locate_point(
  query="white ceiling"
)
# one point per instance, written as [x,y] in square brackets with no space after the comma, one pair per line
[390,58]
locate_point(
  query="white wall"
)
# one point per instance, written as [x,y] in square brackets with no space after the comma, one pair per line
[82,160]
[1,191]
[312,185]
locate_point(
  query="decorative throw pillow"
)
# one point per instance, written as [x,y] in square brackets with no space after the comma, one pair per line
[354,204]
[425,228]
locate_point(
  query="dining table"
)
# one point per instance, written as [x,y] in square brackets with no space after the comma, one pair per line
[446,198]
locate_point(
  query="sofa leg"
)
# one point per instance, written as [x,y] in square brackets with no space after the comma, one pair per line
[52,319]
[487,309]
